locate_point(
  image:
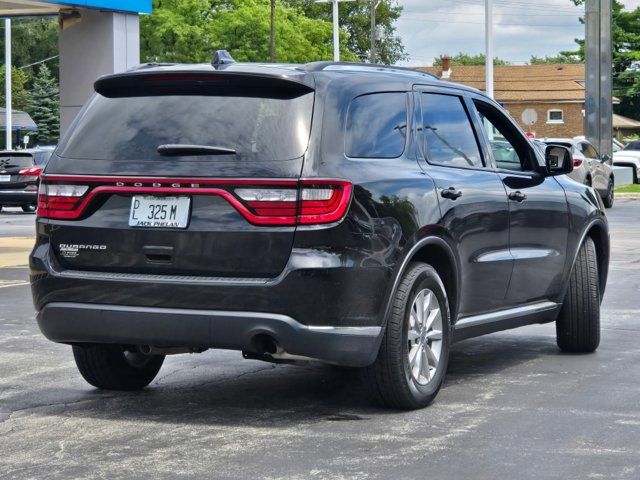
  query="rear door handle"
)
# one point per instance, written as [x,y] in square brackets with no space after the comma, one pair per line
[451,193]
[517,196]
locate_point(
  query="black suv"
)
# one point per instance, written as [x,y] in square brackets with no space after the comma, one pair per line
[349,214]
[19,175]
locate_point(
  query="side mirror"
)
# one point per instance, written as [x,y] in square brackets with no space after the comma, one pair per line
[606,159]
[559,160]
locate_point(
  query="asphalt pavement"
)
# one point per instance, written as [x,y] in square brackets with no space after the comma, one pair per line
[513,406]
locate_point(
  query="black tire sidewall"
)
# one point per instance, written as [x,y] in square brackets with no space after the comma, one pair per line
[428,278]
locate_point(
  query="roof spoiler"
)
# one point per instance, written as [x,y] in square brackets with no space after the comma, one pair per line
[198,82]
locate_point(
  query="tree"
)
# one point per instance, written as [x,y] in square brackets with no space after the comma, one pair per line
[355,19]
[19,93]
[33,40]
[626,55]
[464,59]
[191,30]
[564,57]
[44,106]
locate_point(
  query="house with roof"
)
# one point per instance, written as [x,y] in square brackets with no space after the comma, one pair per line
[547,100]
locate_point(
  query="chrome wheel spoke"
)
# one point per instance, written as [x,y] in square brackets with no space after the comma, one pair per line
[432,359]
[434,335]
[424,364]
[413,336]
[433,316]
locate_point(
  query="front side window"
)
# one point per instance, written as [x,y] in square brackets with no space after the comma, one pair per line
[448,135]
[555,116]
[377,126]
[510,150]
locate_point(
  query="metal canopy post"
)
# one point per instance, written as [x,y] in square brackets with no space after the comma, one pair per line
[598,53]
[7,84]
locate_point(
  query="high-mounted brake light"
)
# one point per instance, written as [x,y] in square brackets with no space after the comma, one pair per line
[277,202]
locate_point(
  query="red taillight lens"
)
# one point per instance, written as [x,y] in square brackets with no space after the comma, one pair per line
[577,162]
[316,202]
[31,171]
[60,201]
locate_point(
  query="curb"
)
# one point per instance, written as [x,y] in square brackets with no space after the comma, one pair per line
[627,195]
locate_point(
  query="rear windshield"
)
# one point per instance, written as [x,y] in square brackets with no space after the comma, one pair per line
[41,157]
[15,160]
[132,128]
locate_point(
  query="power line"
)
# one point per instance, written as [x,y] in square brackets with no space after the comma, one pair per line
[39,61]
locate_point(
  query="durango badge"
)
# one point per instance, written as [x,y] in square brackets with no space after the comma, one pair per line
[72,250]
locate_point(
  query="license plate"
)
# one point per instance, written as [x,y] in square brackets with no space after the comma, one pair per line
[159,212]
[5,178]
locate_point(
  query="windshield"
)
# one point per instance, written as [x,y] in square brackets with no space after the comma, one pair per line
[132,128]
[634,145]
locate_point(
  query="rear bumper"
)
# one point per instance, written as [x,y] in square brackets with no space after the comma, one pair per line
[66,322]
[18,197]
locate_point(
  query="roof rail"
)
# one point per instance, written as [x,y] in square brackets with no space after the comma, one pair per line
[320,66]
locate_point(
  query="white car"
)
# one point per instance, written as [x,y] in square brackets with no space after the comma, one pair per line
[629,156]
[589,167]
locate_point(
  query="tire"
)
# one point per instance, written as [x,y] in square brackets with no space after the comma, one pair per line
[395,379]
[609,197]
[112,367]
[578,325]
[587,182]
[28,208]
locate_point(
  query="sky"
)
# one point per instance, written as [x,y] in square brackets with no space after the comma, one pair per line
[431,28]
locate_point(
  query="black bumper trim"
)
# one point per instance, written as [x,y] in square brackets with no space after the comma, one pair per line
[90,323]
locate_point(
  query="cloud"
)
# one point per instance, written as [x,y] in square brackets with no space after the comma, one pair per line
[430,28]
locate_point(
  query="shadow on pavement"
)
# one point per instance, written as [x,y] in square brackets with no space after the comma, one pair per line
[265,395]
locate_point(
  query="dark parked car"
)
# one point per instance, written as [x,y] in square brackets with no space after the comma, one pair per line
[19,174]
[348,214]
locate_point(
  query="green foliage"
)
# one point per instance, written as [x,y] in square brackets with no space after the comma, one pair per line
[626,57]
[464,59]
[555,59]
[44,106]
[19,93]
[191,30]
[355,19]
[33,39]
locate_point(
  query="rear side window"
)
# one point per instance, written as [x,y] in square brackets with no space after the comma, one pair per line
[449,137]
[377,126]
[132,128]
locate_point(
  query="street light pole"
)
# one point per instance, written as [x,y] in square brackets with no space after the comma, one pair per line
[336,27]
[272,33]
[7,84]
[488,18]
[374,5]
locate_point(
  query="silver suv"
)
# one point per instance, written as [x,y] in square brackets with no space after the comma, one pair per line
[589,167]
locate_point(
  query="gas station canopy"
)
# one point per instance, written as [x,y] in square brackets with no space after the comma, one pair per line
[21,8]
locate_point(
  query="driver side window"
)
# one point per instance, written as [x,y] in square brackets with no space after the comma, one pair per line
[509,150]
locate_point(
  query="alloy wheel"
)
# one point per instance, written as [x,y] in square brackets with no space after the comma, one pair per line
[424,336]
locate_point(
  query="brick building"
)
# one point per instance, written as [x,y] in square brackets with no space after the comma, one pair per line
[549,97]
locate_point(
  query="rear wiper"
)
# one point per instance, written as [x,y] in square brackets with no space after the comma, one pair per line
[178,149]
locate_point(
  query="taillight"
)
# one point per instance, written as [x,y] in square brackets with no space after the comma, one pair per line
[278,202]
[35,171]
[316,202]
[577,162]
[60,201]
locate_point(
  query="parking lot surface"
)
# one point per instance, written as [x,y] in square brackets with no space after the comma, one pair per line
[512,406]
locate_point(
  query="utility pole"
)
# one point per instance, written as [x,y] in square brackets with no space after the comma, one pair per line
[598,101]
[336,27]
[7,84]
[374,6]
[488,19]
[272,33]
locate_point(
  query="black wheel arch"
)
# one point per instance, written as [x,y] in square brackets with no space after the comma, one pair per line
[598,231]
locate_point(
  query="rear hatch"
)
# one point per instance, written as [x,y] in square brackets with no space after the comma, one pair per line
[184,173]
[16,170]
